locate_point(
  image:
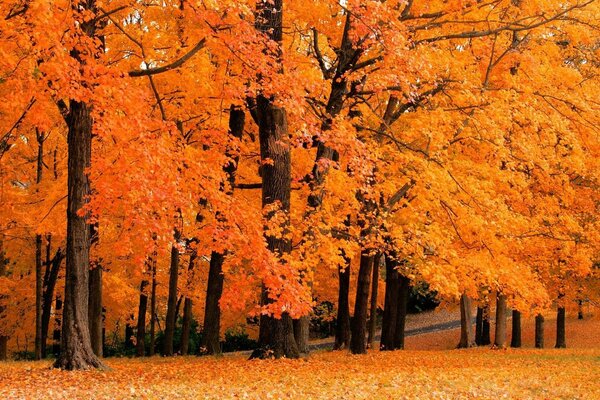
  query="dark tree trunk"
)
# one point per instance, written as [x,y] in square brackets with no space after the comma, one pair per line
[342,326]
[390,307]
[373,308]
[403,289]
[167,349]
[539,331]
[140,343]
[275,334]
[186,324]
[152,349]
[212,311]
[302,333]
[95,298]
[57,326]
[580,309]
[515,340]
[466,328]
[3,338]
[561,341]
[39,290]
[358,341]
[479,326]
[485,327]
[50,278]
[500,334]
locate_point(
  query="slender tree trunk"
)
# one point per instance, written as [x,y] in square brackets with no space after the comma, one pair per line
[403,289]
[172,300]
[500,335]
[466,328]
[140,343]
[390,308]
[39,290]
[153,310]
[373,308]
[579,309]
[50,279]
[479,326]
[539,331]
[129,333]
[485,327]
[342,326]
[358,341]
[95,297]
[56,334]
[212,311]
[515,340]
[186,324]
[561,341]
[3,336]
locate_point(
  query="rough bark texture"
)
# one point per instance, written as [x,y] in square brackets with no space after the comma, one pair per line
[561,341]
[302,333]
[478,326]
[500,334]
[373,306]
[466,328]
[403,289]
[140,345]
[515,340]
[390,307]
[167,349]
[214,289]
[342,326]
[539,331]
[95,309]
[358,341]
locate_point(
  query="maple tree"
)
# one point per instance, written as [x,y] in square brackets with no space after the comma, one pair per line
[224,159]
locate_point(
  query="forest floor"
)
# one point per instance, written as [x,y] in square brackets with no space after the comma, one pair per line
[432,372]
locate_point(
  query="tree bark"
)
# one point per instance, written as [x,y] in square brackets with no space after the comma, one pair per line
[561,341]
[50,279]
[479,326]
[167,349]
[373,308]
[390,307]
[466,329]
[129,334]
[186,324]
[500,334]
[3,337]
[485,327]
[358,341]
[152,349]
[403,289]
[342,326]
[95,298]
[140,343]
[39,290]
[539,331]
[515,340]
[56,334]
[302,333]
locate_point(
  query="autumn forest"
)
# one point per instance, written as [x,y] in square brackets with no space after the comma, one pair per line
[274,179]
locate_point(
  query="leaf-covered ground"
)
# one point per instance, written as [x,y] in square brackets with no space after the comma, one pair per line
[412,374]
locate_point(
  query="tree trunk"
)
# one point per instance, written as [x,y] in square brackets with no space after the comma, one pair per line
[390,307]
[50,279]
[485,327]
[515,340]
[39,290]
[186,324]
[500,334]
[561,341]
[302,333]
[56,334]
[403,289]
[212,311]
[153,310]
[466,329]
[167,349]
[342,326]
[580,309]
[95,309]
[373,308]
[358,341]
[479,326]
[140,343]
[3,337]
[539,331]
[129,334]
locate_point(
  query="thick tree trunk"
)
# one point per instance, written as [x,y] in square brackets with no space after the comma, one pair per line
[3,337]
[140,344]
[302,333]
[466,328]
[76,348]
[515,340]
[39,290]
[478,326]
[212,311]
[358,341]
[373,308]
[167,349]
[561,341]
[500,334]
[152,349]
[539,331]
[342,326]
[485,327]
[403,289]
[390,307]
